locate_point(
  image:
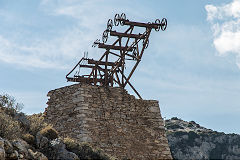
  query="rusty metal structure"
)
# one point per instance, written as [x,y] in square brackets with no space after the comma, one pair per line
[110,69]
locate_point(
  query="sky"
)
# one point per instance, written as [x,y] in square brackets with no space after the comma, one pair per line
[192,68]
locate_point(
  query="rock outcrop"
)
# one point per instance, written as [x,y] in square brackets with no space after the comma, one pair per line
[189,140]
[19,149]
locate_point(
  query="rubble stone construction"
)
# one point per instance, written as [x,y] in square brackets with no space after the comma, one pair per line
[110,119]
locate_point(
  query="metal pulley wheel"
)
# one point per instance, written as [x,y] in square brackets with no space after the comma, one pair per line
[147,43]
[105,36]
[122,19]
[116,19]
[157,22]
[96,43]
[110,24]
[163,24]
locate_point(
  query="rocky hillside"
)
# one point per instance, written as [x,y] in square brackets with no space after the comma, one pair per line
[31,138]
[189,140]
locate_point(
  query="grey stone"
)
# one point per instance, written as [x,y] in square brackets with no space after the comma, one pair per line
[21,117]
[37,155]
[60,151]
[154,109]
[1,142]
[41,141]
[78,99]
[8,147]
[21,146]
[2,153]
[14,155]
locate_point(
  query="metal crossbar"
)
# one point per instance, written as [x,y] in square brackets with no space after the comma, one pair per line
[126,47]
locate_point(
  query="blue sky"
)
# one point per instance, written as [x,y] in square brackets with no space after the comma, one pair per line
[193,68]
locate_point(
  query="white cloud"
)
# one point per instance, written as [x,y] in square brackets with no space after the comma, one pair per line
[57,52]
[212,11]
[85,22]
[225,21]
[228,41]
[224,11]
[60,50]
[15,54]
[68,43]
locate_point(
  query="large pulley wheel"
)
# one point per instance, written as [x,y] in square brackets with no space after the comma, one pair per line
[157,22]
[146,43]
[122,19]
[163,24]
[105,36]
[116,19]
[110,24]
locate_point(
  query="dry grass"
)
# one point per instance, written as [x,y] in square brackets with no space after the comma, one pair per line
[70,143]
[84,150]
[9,128]
[49,132]
[36,123]
[28,138]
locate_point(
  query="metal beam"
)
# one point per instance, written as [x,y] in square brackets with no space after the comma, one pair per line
[101,45]
[91,61]
[84,80]
[139,24]
[138,36]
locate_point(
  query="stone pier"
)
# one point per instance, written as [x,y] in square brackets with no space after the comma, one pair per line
[110,119]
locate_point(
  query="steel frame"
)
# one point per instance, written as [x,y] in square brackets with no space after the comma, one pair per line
[125,47]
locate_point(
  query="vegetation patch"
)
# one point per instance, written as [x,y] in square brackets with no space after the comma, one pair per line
[84,150]
[49,132]
[9,128]
[30,139]
[36,123]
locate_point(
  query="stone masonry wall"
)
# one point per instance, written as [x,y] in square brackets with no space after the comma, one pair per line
[110,119]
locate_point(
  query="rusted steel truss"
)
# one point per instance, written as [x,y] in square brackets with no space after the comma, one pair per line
[109,70]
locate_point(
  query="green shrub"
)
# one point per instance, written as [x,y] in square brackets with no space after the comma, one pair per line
[49,132]
[29,138]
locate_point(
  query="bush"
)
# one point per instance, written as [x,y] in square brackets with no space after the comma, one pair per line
[23,121]
[175,118]
[29,138]
[36,123]
[9,128]
[70,143]
[49,132]
[10,105]
[84,151]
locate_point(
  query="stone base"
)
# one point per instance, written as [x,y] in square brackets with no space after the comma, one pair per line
[110,119]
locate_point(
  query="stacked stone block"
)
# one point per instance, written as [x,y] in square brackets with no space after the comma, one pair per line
[110,119]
